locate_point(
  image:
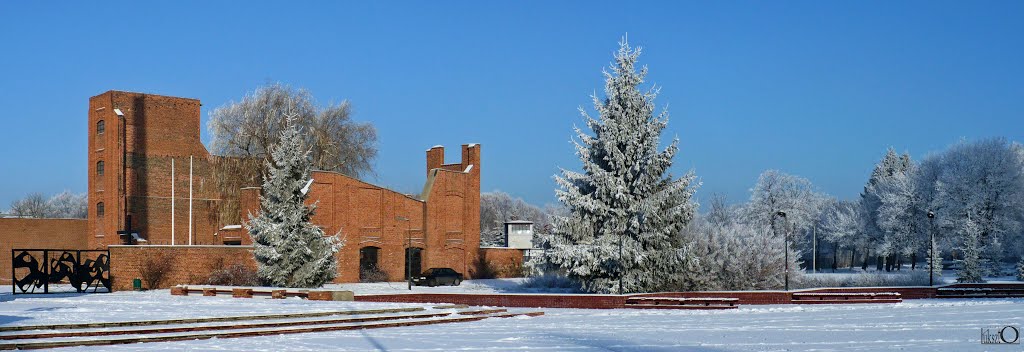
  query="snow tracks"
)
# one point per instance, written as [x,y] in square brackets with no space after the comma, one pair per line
[114,333]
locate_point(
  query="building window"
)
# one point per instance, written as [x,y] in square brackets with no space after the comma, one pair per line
[101,127]
[99,209]
[99,168]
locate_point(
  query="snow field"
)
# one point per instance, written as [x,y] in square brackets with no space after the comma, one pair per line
[914,325]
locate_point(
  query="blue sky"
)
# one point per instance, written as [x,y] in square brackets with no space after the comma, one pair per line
[814,88]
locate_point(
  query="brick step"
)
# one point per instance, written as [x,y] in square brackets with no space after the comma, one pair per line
[845,301]
[687,301]
[678,306]
[220,319]
[42,343]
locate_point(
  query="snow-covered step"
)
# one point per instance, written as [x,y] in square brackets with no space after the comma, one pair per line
[218,319]
[243,331]
[845,297]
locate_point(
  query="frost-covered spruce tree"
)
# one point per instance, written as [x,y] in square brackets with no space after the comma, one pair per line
[971,266]
[1020,269]
[624,209]
[289,249]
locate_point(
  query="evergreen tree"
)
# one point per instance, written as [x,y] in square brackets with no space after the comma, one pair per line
[882,242]
[1020,269]
[971,265]
[624,211]
[289,249]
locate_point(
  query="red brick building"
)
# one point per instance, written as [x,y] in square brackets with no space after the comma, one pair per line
[147,164]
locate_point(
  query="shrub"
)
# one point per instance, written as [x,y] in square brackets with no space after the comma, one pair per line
[550,282]
[234,275]
[155,269]
[912,278]
[372,274]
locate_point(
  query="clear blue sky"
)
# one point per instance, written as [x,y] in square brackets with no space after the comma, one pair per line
[817,88]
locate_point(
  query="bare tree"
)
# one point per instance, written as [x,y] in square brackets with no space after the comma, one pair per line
[498,207]
[33,205]
[252,126]
[65,205]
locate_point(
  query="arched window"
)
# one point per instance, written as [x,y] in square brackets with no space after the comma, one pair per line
[99,168]
[99,209]
[101,127]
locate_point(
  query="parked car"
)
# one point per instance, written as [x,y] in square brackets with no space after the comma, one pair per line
[438,276]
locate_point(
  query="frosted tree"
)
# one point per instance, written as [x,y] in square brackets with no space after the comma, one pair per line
[978,197]
[69,205]
[971,264]
[1020,269]
[624,209]
[289,249]
[844,226]
[890,165]
[735,256]
[935,259]
[777,191]
[899,215]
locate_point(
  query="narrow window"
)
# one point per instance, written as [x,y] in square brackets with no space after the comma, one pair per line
[99,168]
[99,209]
[101,127]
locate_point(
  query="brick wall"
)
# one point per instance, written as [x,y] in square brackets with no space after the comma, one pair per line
[745,297]
[506,300]
[38,234]
[505,262]
[192,264]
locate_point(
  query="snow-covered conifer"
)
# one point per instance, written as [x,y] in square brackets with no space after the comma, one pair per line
[1020,269]
[289,249]
[624,210]
[971,264]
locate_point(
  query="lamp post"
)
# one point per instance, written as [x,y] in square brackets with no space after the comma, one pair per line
[620,263]
[408,250]
[931,248]
[785,248]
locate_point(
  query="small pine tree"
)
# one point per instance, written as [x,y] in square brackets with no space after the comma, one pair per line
[971,265]
[1020,269]
[624,208]
[289,249]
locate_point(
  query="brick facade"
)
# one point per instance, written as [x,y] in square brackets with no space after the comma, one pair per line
[37,234]
[132,157]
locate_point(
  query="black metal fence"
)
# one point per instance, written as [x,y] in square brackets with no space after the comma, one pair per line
[59,270]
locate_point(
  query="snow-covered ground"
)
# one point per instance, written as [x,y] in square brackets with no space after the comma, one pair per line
[915,325]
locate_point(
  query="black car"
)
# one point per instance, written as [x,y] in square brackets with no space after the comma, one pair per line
[438,276]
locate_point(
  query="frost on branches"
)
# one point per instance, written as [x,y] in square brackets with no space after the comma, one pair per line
[289,249]
[624,211]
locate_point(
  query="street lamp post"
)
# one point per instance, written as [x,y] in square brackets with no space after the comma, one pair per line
[621,271]
[931,248]
[408,250]
[785,248]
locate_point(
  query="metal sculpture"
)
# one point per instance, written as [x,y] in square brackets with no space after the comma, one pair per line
[67,266]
